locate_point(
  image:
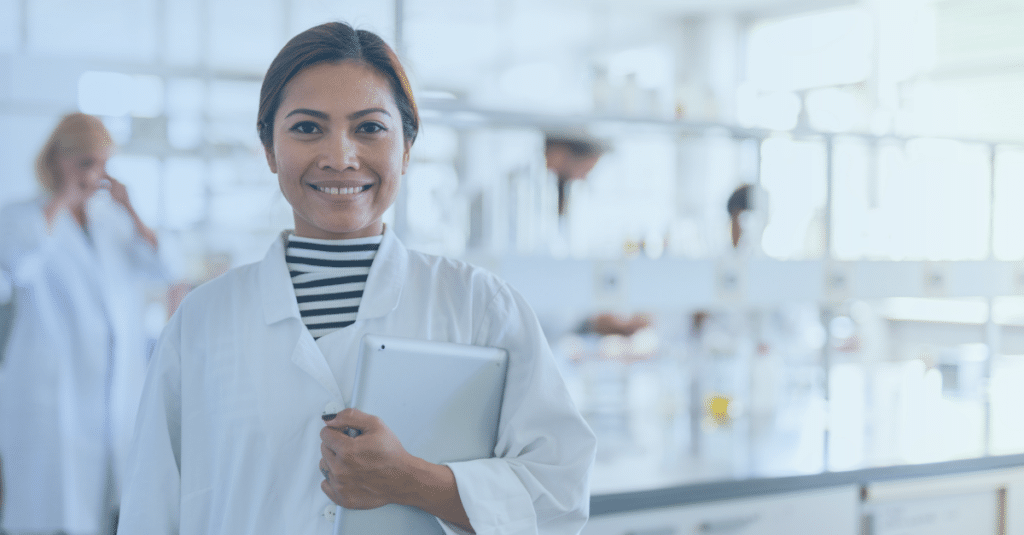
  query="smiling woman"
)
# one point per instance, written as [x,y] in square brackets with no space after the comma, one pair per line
[230,437]
[338,150]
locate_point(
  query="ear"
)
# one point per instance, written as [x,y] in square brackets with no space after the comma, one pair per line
[405,157]
[271,159]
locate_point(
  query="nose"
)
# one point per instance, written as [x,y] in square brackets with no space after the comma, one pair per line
[340,152]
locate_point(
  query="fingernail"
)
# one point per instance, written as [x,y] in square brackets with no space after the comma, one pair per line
[329,417]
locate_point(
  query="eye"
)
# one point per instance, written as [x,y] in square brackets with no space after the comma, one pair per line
[370,128]
[305,127]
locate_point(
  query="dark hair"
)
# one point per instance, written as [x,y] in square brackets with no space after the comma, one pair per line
[331,43]
[739,200]
[579,146]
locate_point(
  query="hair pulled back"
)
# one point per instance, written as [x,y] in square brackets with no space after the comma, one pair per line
[76,133]
[333,42]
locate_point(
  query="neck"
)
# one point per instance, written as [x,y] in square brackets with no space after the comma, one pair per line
[78,212]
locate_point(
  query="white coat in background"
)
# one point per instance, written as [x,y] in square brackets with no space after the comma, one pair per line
[228,439]
[76,338]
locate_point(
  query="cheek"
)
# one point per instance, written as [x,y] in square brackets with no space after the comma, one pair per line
[96,175]
[285,174]
[288,187]
[66,171]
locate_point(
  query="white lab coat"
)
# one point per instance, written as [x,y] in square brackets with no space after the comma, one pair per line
[76,339]
[228,438]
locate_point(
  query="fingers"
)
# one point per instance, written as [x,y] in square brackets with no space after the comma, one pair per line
[117,190]
[327,450]
[349,431]
[354,419]
[325,469]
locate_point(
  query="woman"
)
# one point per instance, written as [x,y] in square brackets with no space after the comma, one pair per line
[230,437]
[72,364]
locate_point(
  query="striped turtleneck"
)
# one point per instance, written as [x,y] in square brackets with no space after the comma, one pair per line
[329,277]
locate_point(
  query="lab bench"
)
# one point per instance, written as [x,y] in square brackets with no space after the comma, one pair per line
[978,496]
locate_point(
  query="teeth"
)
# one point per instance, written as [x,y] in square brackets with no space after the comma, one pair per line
[341,191]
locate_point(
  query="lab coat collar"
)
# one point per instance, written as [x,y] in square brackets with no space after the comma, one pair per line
[386,279]
[276,288]
[383,284]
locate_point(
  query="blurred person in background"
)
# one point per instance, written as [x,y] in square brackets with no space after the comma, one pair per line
[747,207]
[72,350]
[755,367]
[242,425]
[570,158]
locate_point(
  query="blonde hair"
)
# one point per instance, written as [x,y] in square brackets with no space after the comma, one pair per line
[76,133]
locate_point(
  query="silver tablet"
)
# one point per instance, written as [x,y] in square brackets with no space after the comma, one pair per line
[442,401]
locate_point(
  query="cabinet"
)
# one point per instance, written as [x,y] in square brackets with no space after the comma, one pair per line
[832,510]
[979,504]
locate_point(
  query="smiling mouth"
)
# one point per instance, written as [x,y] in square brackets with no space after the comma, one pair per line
[341,191]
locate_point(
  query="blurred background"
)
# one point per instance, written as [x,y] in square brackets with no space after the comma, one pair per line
[860,304]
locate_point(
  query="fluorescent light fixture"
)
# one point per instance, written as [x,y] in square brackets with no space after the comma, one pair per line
[968,311]
[468,117]
[1008,310]
[115,94]
[147,96]
[813,50]
[105,93]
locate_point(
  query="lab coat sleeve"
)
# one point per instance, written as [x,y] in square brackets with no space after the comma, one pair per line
[145,259]
[141,256]
[26,245]
[539,480]
[152,486]
[6,287]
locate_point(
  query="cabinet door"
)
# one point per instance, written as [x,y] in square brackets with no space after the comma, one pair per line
[976,503]
[975,513]
[833,511]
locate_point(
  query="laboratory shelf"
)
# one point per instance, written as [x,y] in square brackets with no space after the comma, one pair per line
[711,491]
[678,283]
[458,114]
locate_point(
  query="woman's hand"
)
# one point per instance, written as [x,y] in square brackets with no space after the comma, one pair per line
[119,193]
[373,469]
[366,471]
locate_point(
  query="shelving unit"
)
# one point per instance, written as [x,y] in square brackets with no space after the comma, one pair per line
[675,283]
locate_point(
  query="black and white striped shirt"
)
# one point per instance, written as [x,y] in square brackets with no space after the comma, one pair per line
[329,277]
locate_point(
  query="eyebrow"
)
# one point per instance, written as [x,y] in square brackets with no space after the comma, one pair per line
[306,111]
[322,115]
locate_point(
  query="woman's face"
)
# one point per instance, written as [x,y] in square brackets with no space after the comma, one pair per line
[338,150]
[84,171]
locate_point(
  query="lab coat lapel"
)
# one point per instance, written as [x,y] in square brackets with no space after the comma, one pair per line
[386,279]
[90,277]
[280,305]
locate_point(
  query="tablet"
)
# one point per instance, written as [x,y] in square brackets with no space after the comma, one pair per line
[442,400]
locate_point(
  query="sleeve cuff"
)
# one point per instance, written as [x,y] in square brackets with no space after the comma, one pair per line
[495,500]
